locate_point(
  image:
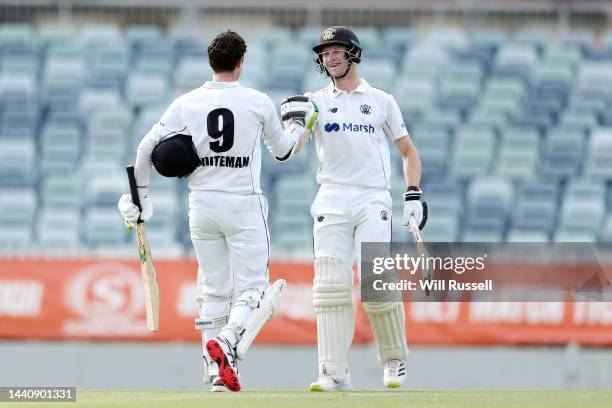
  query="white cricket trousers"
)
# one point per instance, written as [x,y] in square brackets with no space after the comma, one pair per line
[346,216]
[231,240]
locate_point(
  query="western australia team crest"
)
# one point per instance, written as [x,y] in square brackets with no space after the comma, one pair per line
[328,34]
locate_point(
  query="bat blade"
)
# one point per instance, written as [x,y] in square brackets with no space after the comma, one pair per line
[149,276]
[149,279]
[426,272]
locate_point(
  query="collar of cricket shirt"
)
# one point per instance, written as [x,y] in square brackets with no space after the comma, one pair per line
[361,88]
[219,85]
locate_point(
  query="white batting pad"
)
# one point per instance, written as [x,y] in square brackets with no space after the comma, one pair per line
[333,304]
[389,328]
[265,310]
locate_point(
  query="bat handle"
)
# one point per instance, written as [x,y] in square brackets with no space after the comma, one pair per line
[414,229]
[416,234]
[134,189]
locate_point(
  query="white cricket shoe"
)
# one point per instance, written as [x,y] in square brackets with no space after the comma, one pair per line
[217,385]
[395,373]
[211,370]
[330,383]
[223,353]
[211,376]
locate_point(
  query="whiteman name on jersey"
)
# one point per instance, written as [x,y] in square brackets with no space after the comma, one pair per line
[225,161]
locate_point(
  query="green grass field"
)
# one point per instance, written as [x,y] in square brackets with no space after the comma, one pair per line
[299,399]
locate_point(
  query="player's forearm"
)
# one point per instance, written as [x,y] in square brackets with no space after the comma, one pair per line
[142,165]
[412,168]
[281,145]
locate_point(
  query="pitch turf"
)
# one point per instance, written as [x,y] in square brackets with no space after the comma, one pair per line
[299,399]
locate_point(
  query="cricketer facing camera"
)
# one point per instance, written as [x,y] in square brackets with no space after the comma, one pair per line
[353,205]
[212,136]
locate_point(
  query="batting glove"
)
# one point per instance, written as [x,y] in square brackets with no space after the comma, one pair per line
[300,109]
[414,206]
[130,211]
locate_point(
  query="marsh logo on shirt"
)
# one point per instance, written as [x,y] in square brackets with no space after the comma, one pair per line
[332,127]
[349,127]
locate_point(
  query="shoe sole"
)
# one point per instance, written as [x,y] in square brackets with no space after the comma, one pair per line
[217,386]
[228,376]
[316,388]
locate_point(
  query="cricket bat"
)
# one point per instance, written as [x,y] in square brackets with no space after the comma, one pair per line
[149,276]
[421,249]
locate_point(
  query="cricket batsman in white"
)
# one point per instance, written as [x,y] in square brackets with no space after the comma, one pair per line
[212,136]
[353,130]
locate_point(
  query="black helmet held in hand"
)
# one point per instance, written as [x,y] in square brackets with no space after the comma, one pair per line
[175,156]
[338,35]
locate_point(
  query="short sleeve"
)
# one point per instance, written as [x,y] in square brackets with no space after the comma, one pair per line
[172,123]
[394,125]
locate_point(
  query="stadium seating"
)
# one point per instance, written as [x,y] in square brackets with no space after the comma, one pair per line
[513,128]
[58,228]
[18,208]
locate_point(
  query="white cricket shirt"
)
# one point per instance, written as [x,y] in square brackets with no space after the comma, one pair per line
[226,121]
[353,133]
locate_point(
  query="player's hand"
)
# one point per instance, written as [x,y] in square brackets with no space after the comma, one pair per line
[414,206]
[130,211]
[300,109]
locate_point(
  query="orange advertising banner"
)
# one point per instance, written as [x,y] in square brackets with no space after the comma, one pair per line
[102,299]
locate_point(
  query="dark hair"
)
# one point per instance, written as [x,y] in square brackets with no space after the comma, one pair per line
[225,51]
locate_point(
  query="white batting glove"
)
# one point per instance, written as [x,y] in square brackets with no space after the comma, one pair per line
[130,211]
[414,206]
[300,109]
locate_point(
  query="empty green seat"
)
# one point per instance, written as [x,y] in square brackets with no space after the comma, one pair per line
[379,73]
[599,160]
[104,227]
[473,154]
[62,190]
